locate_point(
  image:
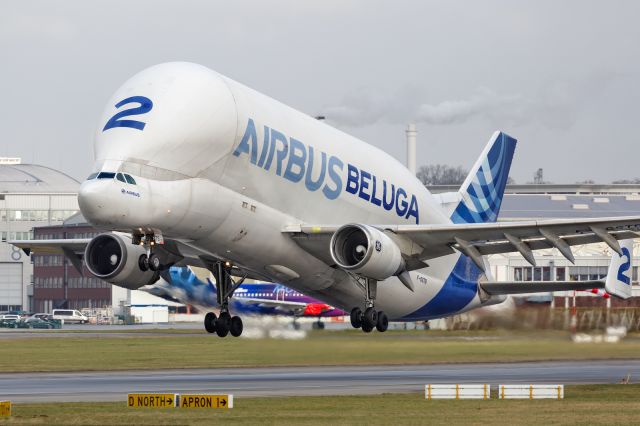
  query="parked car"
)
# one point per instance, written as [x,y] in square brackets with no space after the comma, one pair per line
[43,316]
[34,322]
[21,314]
[69,315]
[8,323]
[14,317]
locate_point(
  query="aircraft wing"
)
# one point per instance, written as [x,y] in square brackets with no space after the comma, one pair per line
[423,242]
[520,287]
[76,245]
[74,248]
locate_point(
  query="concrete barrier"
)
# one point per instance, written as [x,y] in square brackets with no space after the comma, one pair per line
[531,391]
[457,391]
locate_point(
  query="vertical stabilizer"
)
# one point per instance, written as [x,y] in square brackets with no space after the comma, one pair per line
[482,191]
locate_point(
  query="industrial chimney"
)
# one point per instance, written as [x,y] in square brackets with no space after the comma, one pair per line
[411,148]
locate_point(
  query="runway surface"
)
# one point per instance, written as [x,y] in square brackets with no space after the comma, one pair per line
[113,386]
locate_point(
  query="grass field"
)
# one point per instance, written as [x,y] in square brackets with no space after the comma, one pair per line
[583,404]
[330,348]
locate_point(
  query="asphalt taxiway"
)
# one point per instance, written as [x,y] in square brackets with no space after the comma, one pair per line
[282,381]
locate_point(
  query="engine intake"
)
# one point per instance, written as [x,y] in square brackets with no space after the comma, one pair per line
[367,251]
[114,259]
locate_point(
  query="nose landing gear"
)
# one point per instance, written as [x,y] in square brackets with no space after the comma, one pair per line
[150,260]
[370,318]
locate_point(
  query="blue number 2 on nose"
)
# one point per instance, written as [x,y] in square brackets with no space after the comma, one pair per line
[116,121]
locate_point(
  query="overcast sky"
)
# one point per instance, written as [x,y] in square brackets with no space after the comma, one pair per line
[560,76]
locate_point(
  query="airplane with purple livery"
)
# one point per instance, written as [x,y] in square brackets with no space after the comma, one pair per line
[183,285]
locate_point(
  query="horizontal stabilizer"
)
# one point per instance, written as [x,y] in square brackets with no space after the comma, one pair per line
[521,287]
[619,275]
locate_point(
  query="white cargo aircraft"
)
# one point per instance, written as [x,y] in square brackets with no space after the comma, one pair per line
[193,168]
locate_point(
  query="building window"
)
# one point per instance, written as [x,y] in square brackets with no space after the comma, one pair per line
[528,273]
[586,273]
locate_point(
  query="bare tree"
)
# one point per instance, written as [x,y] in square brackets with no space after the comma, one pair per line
[441,174]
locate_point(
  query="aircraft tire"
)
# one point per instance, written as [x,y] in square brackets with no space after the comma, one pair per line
[383,322]
[223,324]
[210,322]
[356,318]
[154,262]
[235,326]
[143,263]
[366,327]
[370,317]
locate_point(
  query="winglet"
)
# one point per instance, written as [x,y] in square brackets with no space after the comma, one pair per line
[619,276]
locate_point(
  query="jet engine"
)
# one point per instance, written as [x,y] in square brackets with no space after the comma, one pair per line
[367,251]
[112,257]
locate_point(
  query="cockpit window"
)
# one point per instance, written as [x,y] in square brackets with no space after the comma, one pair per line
[92,176]
[106,175]
[129,179]
[120,177]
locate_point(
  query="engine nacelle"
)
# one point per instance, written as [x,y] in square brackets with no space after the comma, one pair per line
[367,251]
[112,257]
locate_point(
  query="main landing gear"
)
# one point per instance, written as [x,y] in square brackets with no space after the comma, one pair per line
[223,324]
[370,318]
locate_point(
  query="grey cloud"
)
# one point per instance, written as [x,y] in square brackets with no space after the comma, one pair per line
[364,107]
[483,103]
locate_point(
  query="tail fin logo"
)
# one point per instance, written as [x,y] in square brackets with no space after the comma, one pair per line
[483,189]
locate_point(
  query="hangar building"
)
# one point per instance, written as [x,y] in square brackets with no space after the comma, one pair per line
[30,196]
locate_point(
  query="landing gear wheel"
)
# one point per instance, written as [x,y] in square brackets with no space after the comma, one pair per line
[366,327]
[223,324]
[356,318]
[210,322]
[370,317]
[143,263]
[383,322]
[235,326]
[154,262]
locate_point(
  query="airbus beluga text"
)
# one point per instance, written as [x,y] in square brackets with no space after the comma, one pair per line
[193,168]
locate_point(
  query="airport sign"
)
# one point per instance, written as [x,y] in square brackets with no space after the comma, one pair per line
[5,408]
[206,401]
[152,400]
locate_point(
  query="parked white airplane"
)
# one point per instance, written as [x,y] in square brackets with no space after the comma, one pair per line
[193,168]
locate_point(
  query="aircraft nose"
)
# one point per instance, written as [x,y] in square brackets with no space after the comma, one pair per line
[93,199]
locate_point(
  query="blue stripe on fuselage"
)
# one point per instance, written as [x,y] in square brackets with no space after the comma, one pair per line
[457,292]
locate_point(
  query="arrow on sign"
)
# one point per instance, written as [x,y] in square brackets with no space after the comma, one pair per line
[223,402]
